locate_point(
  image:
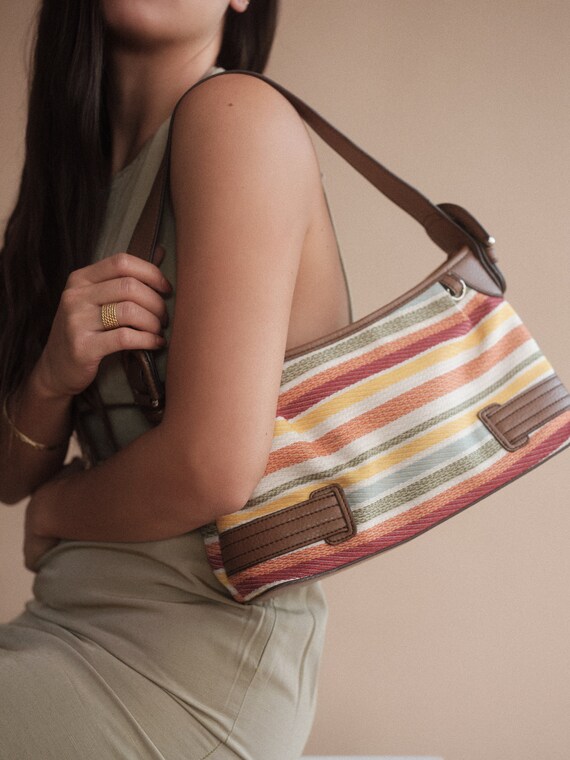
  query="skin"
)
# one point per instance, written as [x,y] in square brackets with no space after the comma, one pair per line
[246,292]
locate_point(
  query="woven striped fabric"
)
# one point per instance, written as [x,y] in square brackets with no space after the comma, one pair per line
[390,412]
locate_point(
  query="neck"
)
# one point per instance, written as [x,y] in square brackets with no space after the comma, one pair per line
[144,88]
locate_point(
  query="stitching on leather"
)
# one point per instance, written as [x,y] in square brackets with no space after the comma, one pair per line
[258,520]
[512,444]
[270,555]
[523,437]
[344,508]
[540,424]
[519,409]
[306,529]
[227,544]
[495,432]
[543,409]
[520,397]
[533,400]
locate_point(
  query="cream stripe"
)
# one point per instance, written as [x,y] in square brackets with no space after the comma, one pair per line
[537,370]
[343,400]
[354,454]
[391,458]
[429,486]
[291,430]
[421,312]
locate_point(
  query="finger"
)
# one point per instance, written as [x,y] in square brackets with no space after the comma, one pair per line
[159,254]
[121,265]
[126,339]
[128,289]
[130,314]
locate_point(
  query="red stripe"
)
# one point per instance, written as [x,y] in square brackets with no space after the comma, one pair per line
[312,378]
[388,411]
[338,557]
[384,360]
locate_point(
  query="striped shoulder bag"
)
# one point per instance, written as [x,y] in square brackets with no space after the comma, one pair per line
[392,424]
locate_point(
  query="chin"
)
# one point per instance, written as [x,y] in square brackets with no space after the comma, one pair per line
[147,21]
[141,21]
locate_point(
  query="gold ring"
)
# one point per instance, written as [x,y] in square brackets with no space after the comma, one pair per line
[109,316]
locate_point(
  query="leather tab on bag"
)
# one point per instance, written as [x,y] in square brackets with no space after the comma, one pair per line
[512,422]
[325,515]
[472,226]
[485,242]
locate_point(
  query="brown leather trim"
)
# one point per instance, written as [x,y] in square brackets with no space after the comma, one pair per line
[512,422]
[146,385]
[472,225]
[145,235]
[324,573]
[325,515]
[464,261]
[453,233]
[472,272]
[469,271]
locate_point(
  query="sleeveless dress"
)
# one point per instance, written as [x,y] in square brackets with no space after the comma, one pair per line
[134,650]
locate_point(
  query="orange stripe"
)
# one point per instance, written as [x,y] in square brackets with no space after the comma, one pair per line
[395,455]
[415,514]
[393,408]
[330,373]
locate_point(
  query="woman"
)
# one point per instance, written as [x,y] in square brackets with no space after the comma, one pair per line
[131,648]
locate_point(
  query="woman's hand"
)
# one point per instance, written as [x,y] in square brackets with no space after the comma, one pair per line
[35,546]
[78,341]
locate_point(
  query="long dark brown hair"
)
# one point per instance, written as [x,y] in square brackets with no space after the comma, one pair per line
[64,185]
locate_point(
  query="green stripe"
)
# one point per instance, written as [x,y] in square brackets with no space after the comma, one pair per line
[358,460]
[362,338]
[419,488]
[414,491]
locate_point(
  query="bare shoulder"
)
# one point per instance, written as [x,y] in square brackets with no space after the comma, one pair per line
[246,117]
[231,87]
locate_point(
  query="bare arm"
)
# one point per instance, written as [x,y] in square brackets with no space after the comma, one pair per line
[242,170]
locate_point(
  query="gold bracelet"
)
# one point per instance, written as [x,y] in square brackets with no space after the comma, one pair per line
[24,438]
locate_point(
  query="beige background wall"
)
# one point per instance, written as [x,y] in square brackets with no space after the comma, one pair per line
[455,644]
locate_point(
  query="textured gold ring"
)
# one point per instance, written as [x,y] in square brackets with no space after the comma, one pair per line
[109,316]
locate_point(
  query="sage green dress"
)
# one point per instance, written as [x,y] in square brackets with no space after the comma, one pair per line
[134,650]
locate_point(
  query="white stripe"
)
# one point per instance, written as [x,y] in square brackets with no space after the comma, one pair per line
[394,390]
[420,303]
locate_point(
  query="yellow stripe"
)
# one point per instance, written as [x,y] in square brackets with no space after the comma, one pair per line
[319,414]
[443,432]
[396,455]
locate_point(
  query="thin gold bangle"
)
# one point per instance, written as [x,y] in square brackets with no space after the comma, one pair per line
[23,437]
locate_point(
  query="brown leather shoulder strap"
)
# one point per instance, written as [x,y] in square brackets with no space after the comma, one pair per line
[448,231]
[451,227]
